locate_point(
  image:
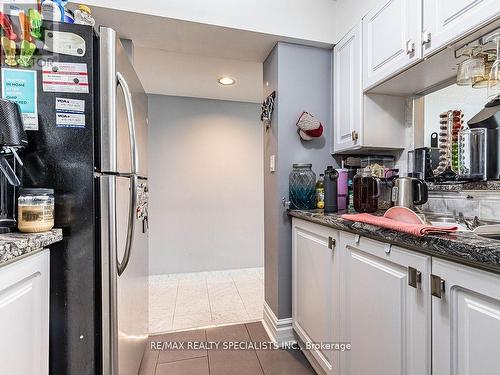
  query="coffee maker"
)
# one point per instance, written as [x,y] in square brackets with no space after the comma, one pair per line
[12,140]
[422,162]
[479,155]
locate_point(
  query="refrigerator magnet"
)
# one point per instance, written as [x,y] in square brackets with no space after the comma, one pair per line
[20,86]
[64,43]
[70,120]
[65,77]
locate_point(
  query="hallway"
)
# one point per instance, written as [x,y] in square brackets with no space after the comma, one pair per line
[202,299]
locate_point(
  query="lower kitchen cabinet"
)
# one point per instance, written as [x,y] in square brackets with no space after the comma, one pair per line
[24,316]
[465,320]
[404,313]
[386,308]
[315,275]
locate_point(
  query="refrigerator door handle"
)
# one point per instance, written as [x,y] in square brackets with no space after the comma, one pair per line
[131,121]
[131,226]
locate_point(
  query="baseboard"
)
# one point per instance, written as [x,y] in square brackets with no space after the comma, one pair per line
[279,330]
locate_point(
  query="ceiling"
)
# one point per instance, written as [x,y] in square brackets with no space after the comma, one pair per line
[182,58]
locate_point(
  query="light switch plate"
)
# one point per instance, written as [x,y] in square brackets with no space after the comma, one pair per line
[272,163]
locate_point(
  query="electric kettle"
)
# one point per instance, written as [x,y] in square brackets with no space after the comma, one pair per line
[409,192]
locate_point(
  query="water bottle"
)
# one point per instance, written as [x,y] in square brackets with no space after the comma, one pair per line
[331,178]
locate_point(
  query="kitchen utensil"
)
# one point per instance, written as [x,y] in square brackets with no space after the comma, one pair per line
[366,191]
[6,25]
[494,77]
[25,23]
[472,152]
[434,139]
[9,47]
[471,69]
[409,192]
[331,190]
[403,215]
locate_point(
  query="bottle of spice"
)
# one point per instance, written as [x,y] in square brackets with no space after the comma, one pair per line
[35,210]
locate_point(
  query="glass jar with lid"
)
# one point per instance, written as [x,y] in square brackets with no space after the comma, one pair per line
[35,210]
[302,187]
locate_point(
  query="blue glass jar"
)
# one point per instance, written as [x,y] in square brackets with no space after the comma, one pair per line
[302,183]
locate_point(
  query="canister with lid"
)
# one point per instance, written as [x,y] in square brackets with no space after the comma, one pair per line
[35,210]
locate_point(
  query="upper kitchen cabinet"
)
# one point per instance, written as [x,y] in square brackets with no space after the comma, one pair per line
[347,91]
[361,123]
[391,39]
[445,21]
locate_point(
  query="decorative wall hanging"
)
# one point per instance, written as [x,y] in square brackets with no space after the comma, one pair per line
[267,110]
[309,127]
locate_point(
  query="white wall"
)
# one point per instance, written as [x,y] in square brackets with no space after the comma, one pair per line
[348,13]
[206,178]
[303,19]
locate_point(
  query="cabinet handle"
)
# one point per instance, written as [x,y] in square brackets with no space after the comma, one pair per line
[331,243]
[414,277]
[437,286]
[357,238]
[410,47]
[426,37]
[354,135]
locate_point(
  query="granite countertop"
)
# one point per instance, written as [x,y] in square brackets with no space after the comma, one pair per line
[465,186]
[462,247]
[15,245]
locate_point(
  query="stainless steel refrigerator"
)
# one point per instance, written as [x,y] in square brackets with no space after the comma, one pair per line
[91,147]
[123,209]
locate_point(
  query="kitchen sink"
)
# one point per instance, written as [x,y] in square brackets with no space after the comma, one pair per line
[483,228]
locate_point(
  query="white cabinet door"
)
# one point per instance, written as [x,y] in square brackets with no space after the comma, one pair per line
[315,289]
[447,20]
[391,39]
[24,316]
[465,321]
[386,320]
[347,92]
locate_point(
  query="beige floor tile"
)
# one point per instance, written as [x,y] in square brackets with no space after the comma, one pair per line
[185,321]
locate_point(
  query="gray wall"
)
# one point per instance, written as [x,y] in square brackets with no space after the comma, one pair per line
[205,169]
[301,77]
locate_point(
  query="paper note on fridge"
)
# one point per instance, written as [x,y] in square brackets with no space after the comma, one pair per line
[70,120]
[65,77]
[19,86]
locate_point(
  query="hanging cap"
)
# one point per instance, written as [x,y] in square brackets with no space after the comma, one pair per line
[85,8]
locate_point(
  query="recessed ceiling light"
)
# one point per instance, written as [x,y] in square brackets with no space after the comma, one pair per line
[226,81]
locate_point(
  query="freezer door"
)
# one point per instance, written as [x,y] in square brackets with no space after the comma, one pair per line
[127,262]
[132,269]
[124,107]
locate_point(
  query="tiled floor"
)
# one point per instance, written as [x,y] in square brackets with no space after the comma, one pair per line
[223,362]
[195,300]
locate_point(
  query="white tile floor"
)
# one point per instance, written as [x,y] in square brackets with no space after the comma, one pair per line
[193,300]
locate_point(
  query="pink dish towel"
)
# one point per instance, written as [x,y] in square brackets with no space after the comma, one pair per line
[415,229]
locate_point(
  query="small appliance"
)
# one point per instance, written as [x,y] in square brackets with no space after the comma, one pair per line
[12,138]
[409,192]
[489,119]
[422,162]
